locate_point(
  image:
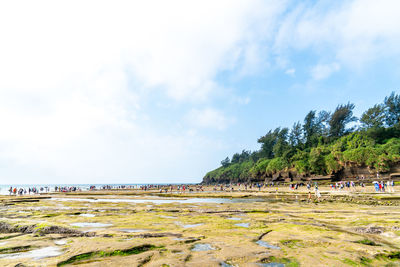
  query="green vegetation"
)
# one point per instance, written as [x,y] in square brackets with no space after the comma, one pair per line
[367,242]
[188,258]
[350,262]
[292,243]
[145,260]
[289,262]
[10,236]
[394,255]
[102,254]
[324,144]
[365,261]
[15,249]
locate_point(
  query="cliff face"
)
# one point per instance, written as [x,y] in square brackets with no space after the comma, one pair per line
[346,173]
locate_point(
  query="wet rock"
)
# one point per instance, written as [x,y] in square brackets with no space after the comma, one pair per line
[155,235]
[370,230]
[263,234]
[34,229]
[61,230]
[107,235]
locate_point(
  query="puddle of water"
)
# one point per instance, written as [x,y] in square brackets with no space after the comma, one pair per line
[271,264]
[169,217]
[191,225]
[167,201]
[246,225]
[267,245]
[37,254]
[3,243]
[86,224]
[235,218]
[202,247]
[179,239]
[60,242]
[87,215]
[224,264]
[133,230]
[188,225]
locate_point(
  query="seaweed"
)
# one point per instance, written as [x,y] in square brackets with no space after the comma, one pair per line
[103,254]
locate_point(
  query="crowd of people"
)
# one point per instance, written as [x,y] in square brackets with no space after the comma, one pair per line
[43,189]
[381,186]
[172,188]
[31,190]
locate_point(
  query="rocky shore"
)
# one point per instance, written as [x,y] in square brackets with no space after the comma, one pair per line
[207,228]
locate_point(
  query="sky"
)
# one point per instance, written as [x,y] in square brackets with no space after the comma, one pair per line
[162,91]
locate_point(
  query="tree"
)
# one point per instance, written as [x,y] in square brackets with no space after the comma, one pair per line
[322,124]
[245,155]
[268,142]
[235,158]
[281,145]
[342,116]
[225,162]
[392,109]
[374,117]
[310,128]
[296,135]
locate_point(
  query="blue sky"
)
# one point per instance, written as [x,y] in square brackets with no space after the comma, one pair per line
[162,91]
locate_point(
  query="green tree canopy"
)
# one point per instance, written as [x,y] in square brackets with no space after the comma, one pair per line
[374,117]
[392,109]
[342,116]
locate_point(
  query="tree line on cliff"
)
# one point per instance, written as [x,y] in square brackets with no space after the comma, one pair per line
[323,144]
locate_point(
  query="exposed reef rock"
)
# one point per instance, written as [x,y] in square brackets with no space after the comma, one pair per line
[6,228]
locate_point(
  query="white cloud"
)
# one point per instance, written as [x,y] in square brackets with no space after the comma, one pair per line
[208,118]
[354,32]
[290,72]
[178,46]
[323,71]
[76,77]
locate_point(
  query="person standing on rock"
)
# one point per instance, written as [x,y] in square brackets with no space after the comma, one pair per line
[316,189]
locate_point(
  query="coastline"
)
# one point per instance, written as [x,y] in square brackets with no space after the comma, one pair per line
[200,228]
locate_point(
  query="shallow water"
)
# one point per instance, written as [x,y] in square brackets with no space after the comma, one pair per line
[37,254]
[165,200]
[87,224]
[60,242]
[246,225]
[202,247]
[87,215]
[234,218]
[190,225]
[133,230]
[267,245]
